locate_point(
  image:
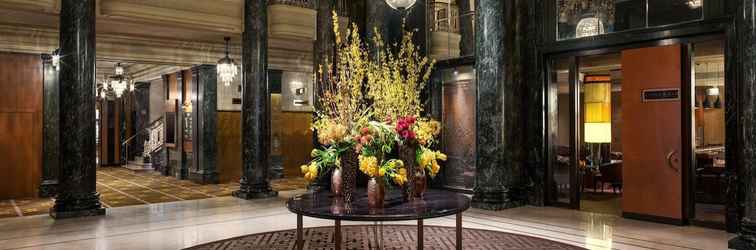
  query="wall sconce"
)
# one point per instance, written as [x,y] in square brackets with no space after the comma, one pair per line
[56,59]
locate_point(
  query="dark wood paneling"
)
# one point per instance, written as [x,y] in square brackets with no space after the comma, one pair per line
[229,146]
[20,125]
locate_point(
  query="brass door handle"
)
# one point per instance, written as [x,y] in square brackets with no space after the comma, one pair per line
[671,160]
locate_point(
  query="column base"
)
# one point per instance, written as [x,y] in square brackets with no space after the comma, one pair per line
[493,200]
[48,189]
[254,191]
[204,178]
[746,238]
[74,206]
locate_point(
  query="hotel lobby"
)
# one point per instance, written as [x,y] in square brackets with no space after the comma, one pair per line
[377,124]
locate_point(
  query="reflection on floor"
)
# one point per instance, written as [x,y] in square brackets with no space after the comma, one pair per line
[184,224]
[710,213]
[119,187]
[602,202]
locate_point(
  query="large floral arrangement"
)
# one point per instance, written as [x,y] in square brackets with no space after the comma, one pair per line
[373,106]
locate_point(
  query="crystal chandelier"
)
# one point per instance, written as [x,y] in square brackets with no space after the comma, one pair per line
[401,4]
[119,83]
[227,69]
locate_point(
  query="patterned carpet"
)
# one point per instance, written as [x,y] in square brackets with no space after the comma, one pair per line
[120,187]
[394,237]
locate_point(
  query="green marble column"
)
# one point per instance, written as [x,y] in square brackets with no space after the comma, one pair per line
[77,195]
[255,104]
[50,129]
[205,81]
[745,26]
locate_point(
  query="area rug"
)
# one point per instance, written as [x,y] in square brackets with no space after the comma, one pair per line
[394,237]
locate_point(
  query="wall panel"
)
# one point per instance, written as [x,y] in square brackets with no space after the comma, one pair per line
[20,125]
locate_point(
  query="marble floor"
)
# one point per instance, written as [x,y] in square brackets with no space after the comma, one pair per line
[177,225]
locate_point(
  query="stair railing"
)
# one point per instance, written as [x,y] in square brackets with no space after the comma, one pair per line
[155,141]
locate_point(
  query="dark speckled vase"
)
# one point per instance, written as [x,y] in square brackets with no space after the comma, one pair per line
[349,167]
[408,155]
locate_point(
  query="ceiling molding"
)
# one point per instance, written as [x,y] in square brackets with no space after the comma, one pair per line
[47,6]
[198,17]
[291,21]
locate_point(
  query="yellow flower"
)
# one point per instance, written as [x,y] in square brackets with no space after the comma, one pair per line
[304,169]
[381,172]
[369,165]
[314,153]
[314,169]
[440,156]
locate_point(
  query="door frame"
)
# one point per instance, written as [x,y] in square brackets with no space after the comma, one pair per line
[688,157]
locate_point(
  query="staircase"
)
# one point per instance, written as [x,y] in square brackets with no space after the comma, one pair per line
[153,144]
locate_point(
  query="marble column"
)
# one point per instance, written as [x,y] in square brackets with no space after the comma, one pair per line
[323,54]
[51,131]
[205,82]
[466,27]
[255,103]
[745,22]
[498,116]
[77,195]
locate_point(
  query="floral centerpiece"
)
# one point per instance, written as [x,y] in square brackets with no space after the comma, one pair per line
[340,107]
[374,145]
[396,81]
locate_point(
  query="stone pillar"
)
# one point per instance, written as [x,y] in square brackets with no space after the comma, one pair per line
[77,195]
[323,53]
[51,131]
[255,103]
[498,106]
[205,84]
[745,22]
[466,28]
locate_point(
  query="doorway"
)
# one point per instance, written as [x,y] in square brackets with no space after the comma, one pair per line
[638,131]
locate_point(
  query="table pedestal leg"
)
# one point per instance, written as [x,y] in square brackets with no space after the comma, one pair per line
[459,231]
[337,235]
[419,234]
[300,242]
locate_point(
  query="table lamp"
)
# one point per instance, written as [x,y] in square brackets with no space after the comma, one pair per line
[598,111]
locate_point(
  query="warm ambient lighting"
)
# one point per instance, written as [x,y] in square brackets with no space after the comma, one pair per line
[401,4]
[598,109]
[713,91]
[56,59]
[119,83]
[227,69]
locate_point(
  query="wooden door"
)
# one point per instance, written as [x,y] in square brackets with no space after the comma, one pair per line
[652,133]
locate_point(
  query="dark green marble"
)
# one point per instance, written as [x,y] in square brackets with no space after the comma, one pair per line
[77,195]
[745,26]
[205,78]
[499,119]
[50,129]
[255,104]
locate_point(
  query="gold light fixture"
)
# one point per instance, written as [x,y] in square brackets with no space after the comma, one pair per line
[598,109]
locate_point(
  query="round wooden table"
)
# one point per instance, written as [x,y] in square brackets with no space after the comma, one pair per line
[434,204]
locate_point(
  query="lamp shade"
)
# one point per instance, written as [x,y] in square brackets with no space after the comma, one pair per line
[598,109]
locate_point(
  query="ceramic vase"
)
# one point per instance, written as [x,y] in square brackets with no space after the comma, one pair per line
[375,193]
[337,183]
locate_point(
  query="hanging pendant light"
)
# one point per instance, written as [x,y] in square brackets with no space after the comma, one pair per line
[401,4]
[227,69]
[119,83]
